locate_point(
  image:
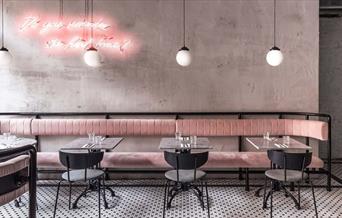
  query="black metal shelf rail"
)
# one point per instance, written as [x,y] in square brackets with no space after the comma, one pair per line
[32,175]
[178,115]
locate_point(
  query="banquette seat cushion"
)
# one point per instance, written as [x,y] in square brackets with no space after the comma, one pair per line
[155,160]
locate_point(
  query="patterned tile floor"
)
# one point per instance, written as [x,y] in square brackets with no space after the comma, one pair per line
[141,202]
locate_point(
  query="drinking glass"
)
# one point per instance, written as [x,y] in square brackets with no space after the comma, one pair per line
[178,136]
[91,137]
[267,135]
[193,140]
[98,140]
[286,140]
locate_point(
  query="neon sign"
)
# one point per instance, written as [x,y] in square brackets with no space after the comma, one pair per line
[69,34]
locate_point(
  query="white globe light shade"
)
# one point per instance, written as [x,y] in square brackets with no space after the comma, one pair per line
[274,57]
[184,57]
[5,57]
[92,57]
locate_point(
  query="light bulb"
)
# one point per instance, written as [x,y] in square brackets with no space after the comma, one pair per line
[184,57]
[92,57]
[5,57]
[274,57]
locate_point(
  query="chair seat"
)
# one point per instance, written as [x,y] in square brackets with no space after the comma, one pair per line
[184,175]
[78,175]
[291,175]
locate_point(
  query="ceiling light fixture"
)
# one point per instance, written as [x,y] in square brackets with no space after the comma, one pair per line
[183,55]
[274,57]
[5,56]
[91,56]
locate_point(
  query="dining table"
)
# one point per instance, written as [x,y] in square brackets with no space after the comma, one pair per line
[286,144]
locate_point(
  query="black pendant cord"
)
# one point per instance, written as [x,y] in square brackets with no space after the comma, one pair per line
[274,23]
[86,8]
[183,23]
[2,23]
[61,9]
[92,23]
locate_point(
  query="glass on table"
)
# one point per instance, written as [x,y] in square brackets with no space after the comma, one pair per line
[267,135]
[178,136]
[91,137]
[286,140]
[193,140]
[98,140]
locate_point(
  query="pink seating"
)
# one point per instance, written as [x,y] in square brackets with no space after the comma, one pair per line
[253,127]
[16,126]
[152,160]
[167,127]
[116,127]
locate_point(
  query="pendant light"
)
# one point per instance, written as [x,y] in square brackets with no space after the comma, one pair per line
[183,55]
[91,56]
[5,56]
[274,57]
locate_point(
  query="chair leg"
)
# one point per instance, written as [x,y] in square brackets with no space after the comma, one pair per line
[165,193]
[264,203]
[202,195]
[69,195]
[55,208]
[247,180]
[298,206]
[99,195]
[207,195]
[271,200]
[314,199]
[104,193]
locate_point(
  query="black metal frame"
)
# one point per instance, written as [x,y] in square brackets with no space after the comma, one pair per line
[32,176]
[303,160]
[185,163]
[178,115]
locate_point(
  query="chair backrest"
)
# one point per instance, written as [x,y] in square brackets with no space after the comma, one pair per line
[80,159]
[186,160]
[290,161]
[13,178]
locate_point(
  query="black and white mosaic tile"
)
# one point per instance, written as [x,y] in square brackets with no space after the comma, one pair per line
[134,201]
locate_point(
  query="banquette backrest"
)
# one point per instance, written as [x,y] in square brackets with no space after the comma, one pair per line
[112,127]
[166,127]
[253,127]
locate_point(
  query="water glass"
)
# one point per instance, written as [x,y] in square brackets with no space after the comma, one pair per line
[91,137]
[98,140]
[193,140]
[286,140]
[178,136]
[267,135]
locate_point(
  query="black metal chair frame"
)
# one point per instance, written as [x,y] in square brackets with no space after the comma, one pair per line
[93,184]
[173,188]
[32,174]
[277,185]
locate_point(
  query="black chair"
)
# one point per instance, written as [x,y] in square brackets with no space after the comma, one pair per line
[287,168]
[81,166]
[185,176]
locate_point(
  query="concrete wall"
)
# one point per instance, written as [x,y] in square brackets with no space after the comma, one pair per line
[228,40]
[330,76]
